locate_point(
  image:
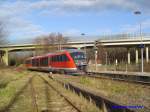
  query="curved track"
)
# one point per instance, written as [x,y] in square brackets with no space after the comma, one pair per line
[55,101]
[120,77]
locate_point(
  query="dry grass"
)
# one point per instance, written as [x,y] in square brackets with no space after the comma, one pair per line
[125,93]
[24,102]
[128,94]
[121,67]
[8,92]
[79,101]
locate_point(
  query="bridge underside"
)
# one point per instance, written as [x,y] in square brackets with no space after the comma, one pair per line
[4,53]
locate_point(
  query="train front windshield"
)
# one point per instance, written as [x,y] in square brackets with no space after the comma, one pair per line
[79,57]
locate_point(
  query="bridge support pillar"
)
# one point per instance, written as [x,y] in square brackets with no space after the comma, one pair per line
[5,57]
[136,56]
[129,60]
[147,55]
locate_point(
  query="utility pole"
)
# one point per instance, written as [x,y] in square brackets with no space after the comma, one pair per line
[141,45]
[83,34]
[96,50]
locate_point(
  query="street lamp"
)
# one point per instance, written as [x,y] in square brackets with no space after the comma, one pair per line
[83,34]
[96,50]
[106,60]
[141,45]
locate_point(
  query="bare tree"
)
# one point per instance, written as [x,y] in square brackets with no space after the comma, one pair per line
[90,56]
[2,38]
[50,43]
[101,54]
[2,34]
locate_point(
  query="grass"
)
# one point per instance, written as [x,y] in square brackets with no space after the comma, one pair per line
[7,76]
[39,87]
[24,102]
[15,81]
[84,80]
[121,67]
[8,92]
[83,104]
[125,93]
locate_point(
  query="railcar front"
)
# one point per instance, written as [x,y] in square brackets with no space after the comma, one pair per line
[79,58]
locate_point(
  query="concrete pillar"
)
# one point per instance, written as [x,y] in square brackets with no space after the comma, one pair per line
[5,57]
[129,60]
[136,56]
[96,60]
[1,54]
[147,55]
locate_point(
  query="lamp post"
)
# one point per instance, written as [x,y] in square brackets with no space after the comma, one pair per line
[95,50]
[83,34]
[141,45]
[106,60]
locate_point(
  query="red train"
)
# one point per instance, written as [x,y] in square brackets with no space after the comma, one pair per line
[67,61]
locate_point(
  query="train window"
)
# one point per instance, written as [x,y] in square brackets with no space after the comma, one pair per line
[37,62]
[59,58]
[33,62]
[78,55]
[49,59]
[40,61]
[64,57]
[54,58]
[44,61]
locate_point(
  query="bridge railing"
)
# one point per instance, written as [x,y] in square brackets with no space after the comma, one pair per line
[124,36]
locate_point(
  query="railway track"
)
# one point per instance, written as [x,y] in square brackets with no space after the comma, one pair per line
[55,101]
[14,99]
[121,77]
[33,95]
[101,101]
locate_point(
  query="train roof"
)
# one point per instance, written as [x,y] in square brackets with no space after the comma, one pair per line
[68,50]
[75,50]
[62,51]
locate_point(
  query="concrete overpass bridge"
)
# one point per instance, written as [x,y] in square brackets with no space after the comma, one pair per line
[127,43]
[4,50]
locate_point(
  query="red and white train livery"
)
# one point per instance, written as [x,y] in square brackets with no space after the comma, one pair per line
[62,61]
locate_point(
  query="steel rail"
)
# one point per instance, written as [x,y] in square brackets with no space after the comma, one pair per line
[33,95]
[101,102]
[120,77]
[66,99]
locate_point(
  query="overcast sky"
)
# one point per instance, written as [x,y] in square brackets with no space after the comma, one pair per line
[26,19]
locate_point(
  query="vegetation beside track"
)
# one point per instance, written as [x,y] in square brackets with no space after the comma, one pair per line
[79,101]
[8,92]
[123,92]
[39,92]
